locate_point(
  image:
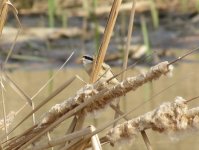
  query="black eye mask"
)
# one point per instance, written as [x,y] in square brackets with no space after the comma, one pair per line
[88,58]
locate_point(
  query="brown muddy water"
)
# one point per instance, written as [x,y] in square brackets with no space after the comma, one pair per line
[187,86]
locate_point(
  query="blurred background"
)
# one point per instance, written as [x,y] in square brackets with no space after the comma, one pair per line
[53,29]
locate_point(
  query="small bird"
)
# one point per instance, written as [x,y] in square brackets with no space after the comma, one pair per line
[105,71]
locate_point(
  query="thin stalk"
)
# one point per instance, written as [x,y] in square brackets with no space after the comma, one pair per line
[64,19]
[154,14]
[49,139]
[51,83]
[145,36]
[184,4]
[128,44]
[130,67]
[15,12]
[183,56]
[3,105]
[54,75]
[18,89]
[189,100]
[96,23]
[51,13]
[57,91]
[197,5]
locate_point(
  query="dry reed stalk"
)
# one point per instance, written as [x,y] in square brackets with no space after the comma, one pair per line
[146,140]
[126,52]
[3,102]
[80,120]
[3,14]
[88,99]
[130,28]
[9,120]
[96,145]
[170,118]
[78,124]
[72,144]
[81,145]
[25,95]
[106,39]
[57,91]
[131,83]
[49,139]
[70,130]
[18,90]
[7,5]
[158,73]
[104,140]
[143,133]
[37,131]
[128,43]
[54,75]
[61,140]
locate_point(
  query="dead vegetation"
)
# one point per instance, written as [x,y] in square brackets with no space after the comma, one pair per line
[170,117]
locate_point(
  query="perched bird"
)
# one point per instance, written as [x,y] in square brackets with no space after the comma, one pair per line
[105,71]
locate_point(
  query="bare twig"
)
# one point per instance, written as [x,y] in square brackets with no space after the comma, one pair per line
[183,56]
[18,89]
[189,100]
